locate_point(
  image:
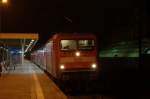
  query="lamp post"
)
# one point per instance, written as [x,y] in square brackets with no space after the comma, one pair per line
[2,3]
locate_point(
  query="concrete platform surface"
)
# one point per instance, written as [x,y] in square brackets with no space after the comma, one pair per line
[27,81]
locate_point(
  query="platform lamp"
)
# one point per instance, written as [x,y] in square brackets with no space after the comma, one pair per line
[4,1]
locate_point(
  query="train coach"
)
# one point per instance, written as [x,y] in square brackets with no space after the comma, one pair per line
[69,56]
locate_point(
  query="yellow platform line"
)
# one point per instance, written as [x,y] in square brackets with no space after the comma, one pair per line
[38,89]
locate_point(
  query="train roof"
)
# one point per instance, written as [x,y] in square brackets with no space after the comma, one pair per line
[73,35]
[68,35]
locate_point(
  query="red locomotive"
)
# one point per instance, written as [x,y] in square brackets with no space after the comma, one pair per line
[69,56]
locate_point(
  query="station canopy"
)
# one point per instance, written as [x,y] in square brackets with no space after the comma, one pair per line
[22,41]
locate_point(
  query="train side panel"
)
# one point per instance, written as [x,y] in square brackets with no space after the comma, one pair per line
[50,59]
[42,58]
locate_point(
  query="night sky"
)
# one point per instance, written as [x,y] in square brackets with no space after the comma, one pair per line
[110,20]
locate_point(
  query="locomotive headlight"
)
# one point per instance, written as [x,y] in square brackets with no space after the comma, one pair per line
[77,53]
[62,67]
[93,66]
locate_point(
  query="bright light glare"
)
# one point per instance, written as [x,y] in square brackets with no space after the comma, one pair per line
[31,41]
[77,53]
[20,52]
[93,65]
[62,67]
[4,1]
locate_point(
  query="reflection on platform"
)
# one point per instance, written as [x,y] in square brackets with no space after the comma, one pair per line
[26,68]
[28,82]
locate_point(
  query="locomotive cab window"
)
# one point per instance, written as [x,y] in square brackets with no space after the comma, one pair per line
[86,44]
[68,44]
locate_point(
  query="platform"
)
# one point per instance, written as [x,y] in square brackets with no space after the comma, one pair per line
[27,81]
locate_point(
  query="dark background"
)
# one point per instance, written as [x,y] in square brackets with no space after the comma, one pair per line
[110,20]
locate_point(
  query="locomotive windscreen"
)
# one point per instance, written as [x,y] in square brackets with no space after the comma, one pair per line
[68,45]
[85,44]
[77,44]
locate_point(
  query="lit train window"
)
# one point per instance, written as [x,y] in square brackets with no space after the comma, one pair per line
[86,44]
[68,44]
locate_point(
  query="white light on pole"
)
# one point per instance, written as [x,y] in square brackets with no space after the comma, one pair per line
[4,1]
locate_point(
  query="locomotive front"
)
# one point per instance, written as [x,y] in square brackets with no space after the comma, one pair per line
[78,58]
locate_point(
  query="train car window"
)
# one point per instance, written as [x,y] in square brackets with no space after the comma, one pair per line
[86,44]
[68,44]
